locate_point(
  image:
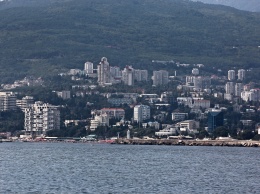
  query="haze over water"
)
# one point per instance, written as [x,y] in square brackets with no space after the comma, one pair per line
[97,168]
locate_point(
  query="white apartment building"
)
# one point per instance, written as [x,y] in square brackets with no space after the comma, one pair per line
[88,68]
[128,76]
[141,113]
[252,95]
[231,75]
[25,102]
[241,74]
[7,101]
[160,77]
[41,117]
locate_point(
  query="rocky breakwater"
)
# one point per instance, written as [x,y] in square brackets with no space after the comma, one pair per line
[230,143]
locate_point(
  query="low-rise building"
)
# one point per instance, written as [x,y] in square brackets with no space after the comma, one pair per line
[167,131]
[64,94]
[99,120]
[25,102]
[247,122]
[189,124]
[120,101]
[117,113]
[201,104]
[177,116]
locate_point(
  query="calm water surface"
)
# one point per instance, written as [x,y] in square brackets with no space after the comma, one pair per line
[96,168]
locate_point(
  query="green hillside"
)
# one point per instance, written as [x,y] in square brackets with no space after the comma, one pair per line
[64,34]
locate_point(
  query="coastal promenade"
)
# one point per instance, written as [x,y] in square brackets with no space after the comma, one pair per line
[231,143]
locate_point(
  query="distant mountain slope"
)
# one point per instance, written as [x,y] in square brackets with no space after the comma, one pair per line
[247,5]
[60,34]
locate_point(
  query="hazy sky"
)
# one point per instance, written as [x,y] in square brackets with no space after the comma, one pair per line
[248,5]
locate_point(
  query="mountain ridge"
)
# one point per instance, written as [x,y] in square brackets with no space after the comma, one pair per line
[247,5]
[59,35]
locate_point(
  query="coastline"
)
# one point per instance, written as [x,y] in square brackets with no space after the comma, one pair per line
[170,142]
[176,142]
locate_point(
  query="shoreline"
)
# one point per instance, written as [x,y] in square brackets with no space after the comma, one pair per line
[169,142]
[176,142]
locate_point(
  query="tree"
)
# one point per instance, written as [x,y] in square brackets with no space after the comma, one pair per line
[202,133]
[246,134]
[220,132]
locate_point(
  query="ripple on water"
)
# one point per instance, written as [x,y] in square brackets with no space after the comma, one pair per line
[81,168]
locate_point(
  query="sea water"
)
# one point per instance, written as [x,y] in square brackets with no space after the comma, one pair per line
[105,168]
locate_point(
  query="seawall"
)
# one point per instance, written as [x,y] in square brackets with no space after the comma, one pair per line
[231,143]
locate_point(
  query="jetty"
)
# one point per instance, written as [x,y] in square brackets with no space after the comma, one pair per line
[176,142]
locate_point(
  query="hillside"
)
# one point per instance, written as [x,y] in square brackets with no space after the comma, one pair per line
[247,5]
[55,34]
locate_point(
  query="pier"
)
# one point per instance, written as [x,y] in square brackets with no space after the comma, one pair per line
[176,142]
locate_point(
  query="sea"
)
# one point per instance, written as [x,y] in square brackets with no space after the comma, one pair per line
[109,168]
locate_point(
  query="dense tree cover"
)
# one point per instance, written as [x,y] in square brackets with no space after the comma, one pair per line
[48,37]
[11,121]
[70,131]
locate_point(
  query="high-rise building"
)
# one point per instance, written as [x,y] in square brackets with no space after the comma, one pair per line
[241,75]
[201,83]
[41,117]
[103,72]
[160,77]
[238,89]
[7,101]
[231,75]
[215,119]
[88,68]
[141,113]
[115,75]
[230,88]
[115,71]
[128,75]
[140,75]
